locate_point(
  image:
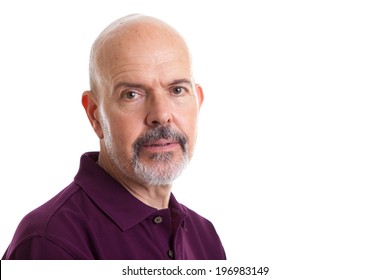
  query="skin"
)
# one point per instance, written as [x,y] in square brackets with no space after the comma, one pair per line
[141,78]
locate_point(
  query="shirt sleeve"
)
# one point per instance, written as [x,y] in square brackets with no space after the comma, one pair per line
[39,248]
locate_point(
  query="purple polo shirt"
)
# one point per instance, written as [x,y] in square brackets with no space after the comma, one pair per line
[97,218]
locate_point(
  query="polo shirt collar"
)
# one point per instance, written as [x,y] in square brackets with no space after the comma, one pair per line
[111,197]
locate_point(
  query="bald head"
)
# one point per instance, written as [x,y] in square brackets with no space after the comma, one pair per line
[131,36]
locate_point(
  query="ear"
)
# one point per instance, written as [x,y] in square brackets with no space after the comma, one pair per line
[199,93]
[89,101]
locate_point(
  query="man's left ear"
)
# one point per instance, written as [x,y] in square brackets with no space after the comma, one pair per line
[199,93]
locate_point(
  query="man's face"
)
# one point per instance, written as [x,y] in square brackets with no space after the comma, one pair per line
[147,109]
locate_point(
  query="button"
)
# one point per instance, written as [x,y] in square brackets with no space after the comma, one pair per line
[157,220]
[170,254]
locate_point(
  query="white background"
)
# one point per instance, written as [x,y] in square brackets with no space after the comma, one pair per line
[293,158]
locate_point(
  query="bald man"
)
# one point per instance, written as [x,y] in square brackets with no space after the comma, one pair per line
[143,105]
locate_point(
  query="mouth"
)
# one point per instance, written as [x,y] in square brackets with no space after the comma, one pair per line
[160,140]
[161,145]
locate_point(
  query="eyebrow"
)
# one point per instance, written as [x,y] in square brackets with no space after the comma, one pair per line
[135,85]
[181,81]
[127,84]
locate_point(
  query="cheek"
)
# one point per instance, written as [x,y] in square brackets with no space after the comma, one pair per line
[188,123]
[123,129]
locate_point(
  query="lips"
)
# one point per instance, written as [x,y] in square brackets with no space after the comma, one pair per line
[160,139]
[161,146]
[161,143]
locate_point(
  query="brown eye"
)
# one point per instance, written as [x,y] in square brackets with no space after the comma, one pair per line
[178,90]
[131,95]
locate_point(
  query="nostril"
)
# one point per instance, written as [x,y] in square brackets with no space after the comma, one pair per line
[163,119]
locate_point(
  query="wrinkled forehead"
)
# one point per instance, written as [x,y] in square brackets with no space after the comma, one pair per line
[140,45]
[142,50]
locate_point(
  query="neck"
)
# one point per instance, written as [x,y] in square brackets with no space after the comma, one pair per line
[151,195]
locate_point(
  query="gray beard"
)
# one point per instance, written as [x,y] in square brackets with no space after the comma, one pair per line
[164,169]
[163,172]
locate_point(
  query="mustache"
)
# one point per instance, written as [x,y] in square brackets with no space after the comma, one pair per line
[160,132]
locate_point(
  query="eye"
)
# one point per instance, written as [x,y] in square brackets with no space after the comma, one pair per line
[131,95]
[179,90]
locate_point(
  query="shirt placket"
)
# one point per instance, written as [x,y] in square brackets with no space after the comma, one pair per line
[160,224]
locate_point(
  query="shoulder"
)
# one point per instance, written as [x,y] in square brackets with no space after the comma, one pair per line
[194,215]
[39,219]
[198,221]
[44,225]
[201,232]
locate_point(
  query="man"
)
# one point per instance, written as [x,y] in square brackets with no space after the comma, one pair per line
[143,105]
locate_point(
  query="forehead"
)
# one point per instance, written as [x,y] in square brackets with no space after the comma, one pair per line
[144,54]
[147,68]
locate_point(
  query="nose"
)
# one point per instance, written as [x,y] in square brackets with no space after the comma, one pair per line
[159,111]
